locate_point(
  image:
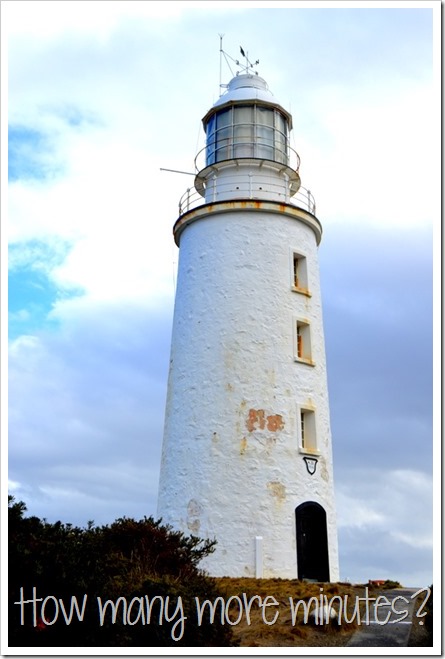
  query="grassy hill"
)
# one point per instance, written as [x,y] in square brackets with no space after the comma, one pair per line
[261,602]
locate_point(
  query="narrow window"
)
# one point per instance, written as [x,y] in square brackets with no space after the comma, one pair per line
[297,268]
[299,341]
[308,438]
[303,349]
[299,278]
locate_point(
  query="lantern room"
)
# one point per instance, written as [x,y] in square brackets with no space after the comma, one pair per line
[247,152]
[247,122]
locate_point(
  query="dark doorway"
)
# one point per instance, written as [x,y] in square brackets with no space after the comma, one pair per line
[312,542]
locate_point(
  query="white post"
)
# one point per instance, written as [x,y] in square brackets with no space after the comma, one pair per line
[214,187]
[258,557]
[286,178]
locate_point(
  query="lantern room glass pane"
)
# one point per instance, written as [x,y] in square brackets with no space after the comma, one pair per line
[264,133]
[247,131]
[243,135]
[264,116]
[210,143]
[223,135]
[281,141]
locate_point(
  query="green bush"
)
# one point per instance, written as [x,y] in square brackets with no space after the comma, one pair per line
[389,584]
[129,559]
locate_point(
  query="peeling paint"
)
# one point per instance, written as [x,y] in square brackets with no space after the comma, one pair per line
[257,420]
[194,508]
[275,422]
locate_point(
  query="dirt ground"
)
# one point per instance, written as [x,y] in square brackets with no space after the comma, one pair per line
[419,636]
[289,627]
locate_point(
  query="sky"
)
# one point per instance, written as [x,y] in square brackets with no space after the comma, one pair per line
[101,96]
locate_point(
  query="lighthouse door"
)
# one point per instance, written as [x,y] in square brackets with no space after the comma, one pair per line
[312,542]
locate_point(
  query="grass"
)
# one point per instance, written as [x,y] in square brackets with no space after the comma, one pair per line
[288,629]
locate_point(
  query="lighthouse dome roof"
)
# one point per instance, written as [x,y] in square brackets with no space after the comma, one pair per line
[248,87]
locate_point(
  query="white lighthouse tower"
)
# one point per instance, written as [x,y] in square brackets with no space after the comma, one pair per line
[247,445]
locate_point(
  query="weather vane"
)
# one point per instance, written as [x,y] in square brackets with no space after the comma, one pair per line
[247,67]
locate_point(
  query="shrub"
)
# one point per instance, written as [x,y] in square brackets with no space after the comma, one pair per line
[129,559]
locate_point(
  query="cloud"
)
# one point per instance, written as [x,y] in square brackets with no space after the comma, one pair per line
[94,20]
[86,413]
[385,524]
[377,321]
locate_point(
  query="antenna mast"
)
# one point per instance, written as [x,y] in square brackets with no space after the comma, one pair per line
[220,60]
[243,68]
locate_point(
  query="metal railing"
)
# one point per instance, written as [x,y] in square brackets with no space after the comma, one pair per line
[233,189]
[246,147]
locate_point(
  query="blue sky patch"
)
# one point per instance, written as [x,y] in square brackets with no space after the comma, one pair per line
[31,291]
[30,295]
[28,152]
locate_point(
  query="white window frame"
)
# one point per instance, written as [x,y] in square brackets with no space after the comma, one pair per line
[302,285]
[302,341]
[307,439]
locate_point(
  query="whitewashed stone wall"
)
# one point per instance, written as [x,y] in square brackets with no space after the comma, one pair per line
[231,464]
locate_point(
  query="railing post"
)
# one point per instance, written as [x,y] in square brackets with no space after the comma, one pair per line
[286,178]
[188,198]
[214,187]
[309,200]
[250,185]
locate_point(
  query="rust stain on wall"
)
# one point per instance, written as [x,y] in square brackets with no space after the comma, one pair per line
[257,420]
[243,446]
[277,490]
[275,422]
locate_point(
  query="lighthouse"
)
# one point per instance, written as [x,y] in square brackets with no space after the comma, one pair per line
[247,455]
